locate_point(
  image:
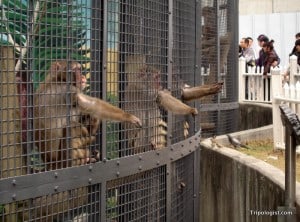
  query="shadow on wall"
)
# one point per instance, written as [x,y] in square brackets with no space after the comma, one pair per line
[254,115]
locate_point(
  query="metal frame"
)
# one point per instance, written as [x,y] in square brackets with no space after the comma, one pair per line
[30,186]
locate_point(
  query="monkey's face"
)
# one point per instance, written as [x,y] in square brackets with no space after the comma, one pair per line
[64,71]
[151,78]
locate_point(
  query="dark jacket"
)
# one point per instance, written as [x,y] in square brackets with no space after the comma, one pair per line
[270,57]
[262,57]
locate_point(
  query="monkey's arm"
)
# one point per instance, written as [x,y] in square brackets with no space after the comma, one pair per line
[170,103]
[102,110]
[192,93]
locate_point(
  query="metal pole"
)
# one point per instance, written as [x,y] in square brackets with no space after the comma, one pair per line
[292,133]
[290,170]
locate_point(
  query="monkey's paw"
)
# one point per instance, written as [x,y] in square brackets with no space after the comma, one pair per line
[136,121]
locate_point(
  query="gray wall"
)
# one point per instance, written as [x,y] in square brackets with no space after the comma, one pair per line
[233,184]
[253,115]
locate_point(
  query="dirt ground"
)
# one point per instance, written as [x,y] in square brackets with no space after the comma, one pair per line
[263,149]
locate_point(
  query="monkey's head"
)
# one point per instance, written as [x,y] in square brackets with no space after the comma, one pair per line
[146,79]
[63,71]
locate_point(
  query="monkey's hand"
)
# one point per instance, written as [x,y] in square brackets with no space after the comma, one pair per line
[193,93]
[134,120]
[79,143]
[170,103]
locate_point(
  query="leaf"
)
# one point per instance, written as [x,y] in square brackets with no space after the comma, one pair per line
[17,4]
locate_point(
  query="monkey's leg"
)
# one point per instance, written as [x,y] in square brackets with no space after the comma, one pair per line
[170,103]
[79,143]
[102,110]
[48,143]
[92,125]
[189,94]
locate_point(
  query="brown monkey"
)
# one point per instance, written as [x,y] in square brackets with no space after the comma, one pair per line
[170,103]
[197,92]
[143,83]
[142,92]
[51,116]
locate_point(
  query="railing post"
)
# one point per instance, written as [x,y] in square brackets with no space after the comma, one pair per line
[293,68]
[276,88]
[292,124]
[242,72]
[276,83]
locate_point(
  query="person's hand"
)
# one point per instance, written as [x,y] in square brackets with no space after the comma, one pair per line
[275,63]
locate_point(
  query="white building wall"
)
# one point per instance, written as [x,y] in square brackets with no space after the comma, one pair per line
[247,7]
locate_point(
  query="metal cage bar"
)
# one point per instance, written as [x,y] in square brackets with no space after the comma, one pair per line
[57,162]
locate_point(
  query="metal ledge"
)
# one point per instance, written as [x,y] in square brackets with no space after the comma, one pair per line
[45,183]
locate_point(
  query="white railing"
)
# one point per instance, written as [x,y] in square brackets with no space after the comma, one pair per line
[287,93]
[272,89]
[252,85]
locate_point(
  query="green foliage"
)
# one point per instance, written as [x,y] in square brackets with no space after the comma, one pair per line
[46,30]
[111,203]
[112,146]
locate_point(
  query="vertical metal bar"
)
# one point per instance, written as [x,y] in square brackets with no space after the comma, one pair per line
[235,23]
[104,94]
[198,62]
[218,64]
[197,185]
[170,119]
[104,73]
[170,65]
[197,76]
[169,191]
[290,169]
[29,86]
[103,202]
[68,79]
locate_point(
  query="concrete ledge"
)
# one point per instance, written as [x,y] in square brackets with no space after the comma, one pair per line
[233,183]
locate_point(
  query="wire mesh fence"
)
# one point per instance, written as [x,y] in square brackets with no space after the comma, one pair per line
[84,133]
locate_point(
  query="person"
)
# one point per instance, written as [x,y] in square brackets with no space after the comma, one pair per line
[295,52]
[249,55]
[270,57]
[262,39]
[251,45]
[297,36]
[250,41]
[247,52]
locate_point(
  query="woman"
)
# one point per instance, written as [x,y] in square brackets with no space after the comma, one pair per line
[271,58]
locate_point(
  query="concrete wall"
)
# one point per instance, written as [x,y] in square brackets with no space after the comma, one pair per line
[254,115]
[235,186]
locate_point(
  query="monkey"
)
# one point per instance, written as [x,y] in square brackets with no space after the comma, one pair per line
[143,83]
[193,93]
[144,95]
[51,112]
[170,103]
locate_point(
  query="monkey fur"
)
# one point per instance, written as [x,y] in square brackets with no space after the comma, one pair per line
[197,92]
[143,96]
[51,114]
[170,103]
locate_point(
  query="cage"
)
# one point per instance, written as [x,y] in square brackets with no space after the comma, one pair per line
[83,136]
